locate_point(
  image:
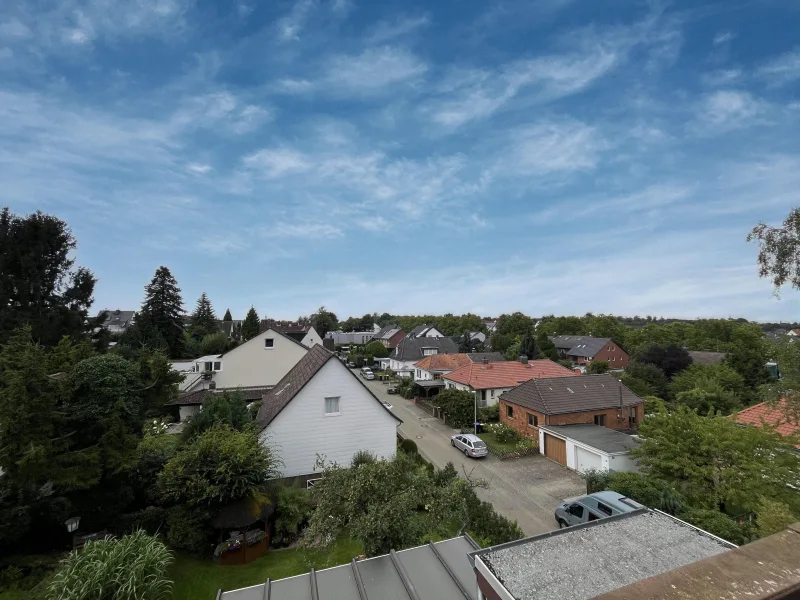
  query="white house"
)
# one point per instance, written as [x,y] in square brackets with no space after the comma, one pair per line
[592,447]
[344,338]
[320,408]
[261,361]
[300,332]
[425,331]
[411,350]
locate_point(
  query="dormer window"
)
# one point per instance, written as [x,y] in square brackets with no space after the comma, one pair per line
[269,343]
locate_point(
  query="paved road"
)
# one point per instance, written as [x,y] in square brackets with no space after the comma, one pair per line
[526,489]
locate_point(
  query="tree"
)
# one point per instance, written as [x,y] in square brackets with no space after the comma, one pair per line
[714,462]
[251,326]
[598,367]
[547,348]
[159,382]
[217,467]
[133,567]
[227,316]
[779,255]
[324,321]
[650,374]
[458,406]
[698,374]
[465,343]
[385,505]
[163,310]
[773,517]
[528,347]
[708,395]
[204,321]
[228,408]
[376,350]
[214,343]
[39,285]
[670,359]
[717,523]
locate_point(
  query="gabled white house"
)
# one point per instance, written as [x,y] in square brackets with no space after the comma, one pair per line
[425,331]
[321,408]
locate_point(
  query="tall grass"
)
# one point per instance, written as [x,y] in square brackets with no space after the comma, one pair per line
[133,567]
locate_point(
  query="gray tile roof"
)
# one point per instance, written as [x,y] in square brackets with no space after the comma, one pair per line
[589,560]
[386,332]
[596,436]
[707,358]
[198,396]
[441,571]
[118,318]
[489,356]
[580,345]
[562,395]
[412,348]
[277,398]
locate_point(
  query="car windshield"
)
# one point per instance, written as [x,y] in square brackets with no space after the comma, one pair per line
[478,444]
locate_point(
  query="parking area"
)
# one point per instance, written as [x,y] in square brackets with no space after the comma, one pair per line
[524,489]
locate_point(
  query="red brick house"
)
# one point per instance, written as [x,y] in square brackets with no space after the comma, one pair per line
[598,399]
[582,350]
[390,336]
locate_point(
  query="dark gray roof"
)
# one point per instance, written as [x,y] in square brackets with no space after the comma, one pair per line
[418,330]
[490,356]
[295,380]
[411,348]
[596,436]
[386,332]
[120,318]
[580,345]
[588,560]
[707,358]
[561,395]
[198,396]
[441,571]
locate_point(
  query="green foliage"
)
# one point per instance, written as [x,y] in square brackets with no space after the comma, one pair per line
[65,355]
[707,396]
[152,520]
[324,321]
[376,350]
[133,567]
[292,511]
[719,524]
[39,286]
[598,367]
[485,524]
[213,343]
[713,462]
[670,359]
[503,433]
[189,530]
[787,356]
[218,466]
[489,414]
[701,376]
[204,321]
[779,254]
[458,406]
[158,380]
[409,446]
[528,347]
[638,386]
[567,364]
[509,330]
[773,516]
[227,316]
[227,408]
[152,454]
[652,492]
[251,325]
[162,311]
[652,375]
[654,405]
[547,349]
[386,505]
[365,457]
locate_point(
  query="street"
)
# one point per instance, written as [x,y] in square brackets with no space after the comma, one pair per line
[526,489]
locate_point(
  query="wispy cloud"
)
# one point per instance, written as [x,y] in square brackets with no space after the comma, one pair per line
[373,70]
[723,37]
[290,26]
[782,70]
[728,109]
[386,31]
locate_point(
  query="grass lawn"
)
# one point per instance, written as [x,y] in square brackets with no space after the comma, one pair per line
[491,441]
[200,579]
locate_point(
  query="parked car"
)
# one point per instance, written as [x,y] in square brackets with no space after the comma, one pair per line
[388,405]
[593,507]
[351,364]
[367,373]
[469,444]
[392,390]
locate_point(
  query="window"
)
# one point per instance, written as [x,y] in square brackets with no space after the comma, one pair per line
[419,374]
[429,351]
[208,366]
[533,420]
[269,343]
[492,393]
[600,420]
[613,358]
[217,366]
[592,516]
[509,411]
[632,418]
[576,510]
[603,508]
[332,406]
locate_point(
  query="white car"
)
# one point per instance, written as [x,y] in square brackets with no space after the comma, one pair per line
[469,444]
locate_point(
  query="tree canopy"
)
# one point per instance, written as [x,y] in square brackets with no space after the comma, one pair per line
[251,326]
[779,255]
[162,311]
[670,359]
[227,316]
[324,321]
[204,320]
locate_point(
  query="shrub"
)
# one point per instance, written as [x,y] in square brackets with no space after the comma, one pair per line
[409,446]
[151,520]
[363,457]
[598,367]
[458,406]
[189,530]
[292,511]
[489,414]
[773,516]
[719,524]
[653,493]
[503,433]
[486,525]
[133,567]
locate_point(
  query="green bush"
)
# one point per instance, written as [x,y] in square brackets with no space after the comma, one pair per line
[189,530]
[458,406]
[133,567]
[489,414]
[719,524]
[485,524]
[503,433]
[409,446]
[653,493]
[363,457]
[151,520]
[292,511]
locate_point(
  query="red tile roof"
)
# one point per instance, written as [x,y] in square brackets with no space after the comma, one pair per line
[777,415]
[443,362]
[507,374]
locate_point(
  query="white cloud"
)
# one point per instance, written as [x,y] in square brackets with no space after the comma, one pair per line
[290,26]
[399,27]
[782,70]
[293,86]
[723,37]
[14,29]
[276,162]
[199,169]
[221,110]
[302,229]
[728,109]
[558,147]
[373,69]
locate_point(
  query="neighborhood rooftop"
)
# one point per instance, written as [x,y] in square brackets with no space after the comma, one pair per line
[441,571]
[414,348]
[602,438]
[588,560]
[506,374]
[580,345]
[777,415]
[559,395]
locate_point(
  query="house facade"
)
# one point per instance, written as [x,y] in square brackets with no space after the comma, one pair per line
[425,331]
[345,338]
[583,350]
[117,321]
[489,380]
[320,408]
[594,399]
[411,350]
[300,332]
[390,336]
[436,366]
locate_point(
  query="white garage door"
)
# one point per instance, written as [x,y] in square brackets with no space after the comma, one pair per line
[587,460]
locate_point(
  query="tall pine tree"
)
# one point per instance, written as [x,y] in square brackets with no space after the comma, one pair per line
[163,310]
[227,316]
[204,321]
[251,325]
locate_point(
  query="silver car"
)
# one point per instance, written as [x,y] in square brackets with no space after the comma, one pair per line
[469,444]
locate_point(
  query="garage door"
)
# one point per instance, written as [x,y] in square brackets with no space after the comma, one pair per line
[587,460]
[555,449]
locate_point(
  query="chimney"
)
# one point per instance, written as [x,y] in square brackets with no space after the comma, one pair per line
[486,360]
[523,359]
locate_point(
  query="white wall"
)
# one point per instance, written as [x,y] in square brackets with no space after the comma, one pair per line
[623,463]
[398,365]
[311,338]
[490,399]
[617,462]
[302,430]
[251,364]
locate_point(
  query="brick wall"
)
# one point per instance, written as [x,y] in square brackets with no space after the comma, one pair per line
[519,420]
[619,356]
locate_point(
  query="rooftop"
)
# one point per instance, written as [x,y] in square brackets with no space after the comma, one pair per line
[413,348]
[580,345]
[250,394]
[706,358]
[596,436]
[777,415]
[443,362]
[595,558]
[562,395]
[506,374]
[441,570]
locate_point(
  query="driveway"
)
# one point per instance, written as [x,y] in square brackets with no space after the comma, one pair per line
[526,489]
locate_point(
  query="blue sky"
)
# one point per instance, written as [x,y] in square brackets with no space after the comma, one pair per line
[549,156]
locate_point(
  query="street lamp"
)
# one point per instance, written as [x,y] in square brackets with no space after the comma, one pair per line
[72,524]
[475,420]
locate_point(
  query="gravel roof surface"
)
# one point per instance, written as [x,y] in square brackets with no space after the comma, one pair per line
[583,563]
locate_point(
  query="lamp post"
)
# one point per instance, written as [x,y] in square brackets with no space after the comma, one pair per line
[475,420]
[72,524]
